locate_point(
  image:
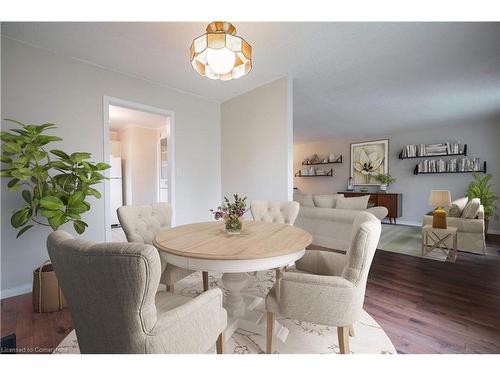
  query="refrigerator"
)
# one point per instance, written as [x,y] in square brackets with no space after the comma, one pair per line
[115,182]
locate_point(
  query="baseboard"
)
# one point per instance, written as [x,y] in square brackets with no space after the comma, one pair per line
[17,291]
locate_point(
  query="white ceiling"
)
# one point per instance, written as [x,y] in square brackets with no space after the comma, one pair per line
[349,78]
[121,117]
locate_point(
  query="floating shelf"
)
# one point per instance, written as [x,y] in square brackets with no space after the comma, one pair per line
[464,153]
[337,161]
[328,174]
[416,172]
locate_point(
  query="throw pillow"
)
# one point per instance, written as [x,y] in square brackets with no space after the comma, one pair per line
[471,209]
[303,199]
[354,203]
[457,206]
[326,200]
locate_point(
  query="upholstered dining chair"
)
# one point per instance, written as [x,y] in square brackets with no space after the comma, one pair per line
[277,212]
[327,288]
[141,224]
[111,290]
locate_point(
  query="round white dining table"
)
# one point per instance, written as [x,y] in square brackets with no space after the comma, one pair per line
[259,246]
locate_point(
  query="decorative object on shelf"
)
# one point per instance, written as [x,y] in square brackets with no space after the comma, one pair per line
[231,213]
[314,159]
[350,186]
[54,192]
[439,199]
[363,189]
[385,180]
[331,158]
[314,174]
[325,161]
[369,159]
[220,53]
[432,150]
[464,165]
[482,188]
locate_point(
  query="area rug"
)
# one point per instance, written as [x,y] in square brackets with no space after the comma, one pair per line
[303,338]
[405,239]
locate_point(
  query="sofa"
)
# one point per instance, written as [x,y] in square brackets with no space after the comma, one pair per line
[329,217]
[468,217]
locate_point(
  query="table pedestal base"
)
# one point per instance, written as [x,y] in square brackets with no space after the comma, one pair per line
[244,311]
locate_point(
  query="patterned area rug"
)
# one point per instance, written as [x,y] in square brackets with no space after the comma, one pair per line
[405,239]
[303,338]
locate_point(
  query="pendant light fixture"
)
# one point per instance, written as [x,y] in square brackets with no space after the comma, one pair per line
[220,53]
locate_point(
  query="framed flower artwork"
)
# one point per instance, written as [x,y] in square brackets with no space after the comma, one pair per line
[369,159]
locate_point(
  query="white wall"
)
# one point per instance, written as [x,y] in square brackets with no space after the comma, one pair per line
[482,140]
[257,143]
[39,86]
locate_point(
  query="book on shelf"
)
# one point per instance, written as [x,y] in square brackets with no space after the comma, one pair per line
[436,149]
[452,165]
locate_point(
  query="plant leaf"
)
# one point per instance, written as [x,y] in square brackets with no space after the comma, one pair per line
[51,203]
[20,217]
[76,198]
[26,194]
[22,231]
[79,226]
[60,154]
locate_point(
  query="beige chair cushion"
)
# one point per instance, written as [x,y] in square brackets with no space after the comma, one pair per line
[457,206]
[326,200]
[303,199]
[275,212]
[353,203]
[111,290]
[471,209]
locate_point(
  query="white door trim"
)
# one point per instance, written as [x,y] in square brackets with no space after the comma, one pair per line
[107,101]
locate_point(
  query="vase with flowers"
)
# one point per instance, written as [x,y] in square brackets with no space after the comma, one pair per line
[231,213]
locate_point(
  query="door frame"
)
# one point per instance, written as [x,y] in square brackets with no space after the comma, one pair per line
[109,100]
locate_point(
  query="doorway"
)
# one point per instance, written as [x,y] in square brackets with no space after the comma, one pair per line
[139,146]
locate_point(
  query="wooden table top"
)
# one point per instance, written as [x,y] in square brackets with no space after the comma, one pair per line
[209,240]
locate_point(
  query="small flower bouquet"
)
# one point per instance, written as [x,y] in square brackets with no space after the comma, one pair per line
[231,213]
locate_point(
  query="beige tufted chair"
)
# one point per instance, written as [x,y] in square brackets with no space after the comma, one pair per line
[111,289]
[328,289]
[277,212]
[141,224]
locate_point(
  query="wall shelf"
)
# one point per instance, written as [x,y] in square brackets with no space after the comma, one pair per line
[328,174]
[337,161]
[416,172]
[463,153]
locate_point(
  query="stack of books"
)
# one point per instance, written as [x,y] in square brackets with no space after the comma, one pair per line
[437,149]
[452,165]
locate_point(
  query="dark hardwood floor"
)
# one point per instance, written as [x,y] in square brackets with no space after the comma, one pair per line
[425,306]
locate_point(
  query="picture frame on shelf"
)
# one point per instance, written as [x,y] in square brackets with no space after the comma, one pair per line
[369,159]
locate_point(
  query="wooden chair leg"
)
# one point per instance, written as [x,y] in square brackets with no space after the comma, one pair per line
[205,280]
[269,332]
[220,344]
[170,288]
[343,335]
[351,330]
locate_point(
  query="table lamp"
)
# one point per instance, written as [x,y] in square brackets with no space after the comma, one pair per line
[439,199]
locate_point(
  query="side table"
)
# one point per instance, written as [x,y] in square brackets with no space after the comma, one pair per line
[436,238]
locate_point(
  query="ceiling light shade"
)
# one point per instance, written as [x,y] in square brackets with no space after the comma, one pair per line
[220,53]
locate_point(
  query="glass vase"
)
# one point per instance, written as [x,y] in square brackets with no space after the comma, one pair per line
[234,224]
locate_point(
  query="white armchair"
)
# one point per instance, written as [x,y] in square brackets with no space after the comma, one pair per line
[111,289]
[327,288]
[141,224]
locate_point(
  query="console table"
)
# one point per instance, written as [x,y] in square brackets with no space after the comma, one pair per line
[392,201]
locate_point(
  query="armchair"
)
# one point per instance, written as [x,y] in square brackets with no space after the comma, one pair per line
[327,288]
[111,289]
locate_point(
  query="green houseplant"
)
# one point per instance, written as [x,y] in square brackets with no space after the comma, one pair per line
[482,188]
[54,185]
[385,180]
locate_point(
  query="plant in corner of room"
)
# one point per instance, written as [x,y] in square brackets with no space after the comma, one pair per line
[385,180]
[231,213]
[482,189]
[54,185]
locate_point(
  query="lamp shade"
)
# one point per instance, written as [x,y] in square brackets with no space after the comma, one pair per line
[440,198]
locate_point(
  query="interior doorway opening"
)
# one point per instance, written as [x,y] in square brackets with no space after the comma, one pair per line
[139,148]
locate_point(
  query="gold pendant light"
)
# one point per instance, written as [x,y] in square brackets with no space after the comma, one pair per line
[220,53]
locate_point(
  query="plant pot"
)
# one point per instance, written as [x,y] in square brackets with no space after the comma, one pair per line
[383,187]
[234,225]
[47,295]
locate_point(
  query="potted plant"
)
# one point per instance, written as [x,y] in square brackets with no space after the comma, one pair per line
[482,189]
[385,180]
[54,185]
[231,213]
